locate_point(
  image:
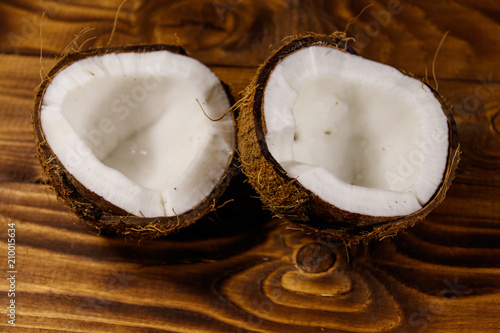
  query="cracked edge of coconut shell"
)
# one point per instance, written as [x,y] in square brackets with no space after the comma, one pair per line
[89,206]
[285,196]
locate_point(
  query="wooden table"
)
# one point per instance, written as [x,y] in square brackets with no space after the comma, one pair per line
[239,273]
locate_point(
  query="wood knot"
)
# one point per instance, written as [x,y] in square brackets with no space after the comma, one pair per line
[315,258]
[496,122]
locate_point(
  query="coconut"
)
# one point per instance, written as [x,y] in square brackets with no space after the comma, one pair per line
[126,137]
[343,145]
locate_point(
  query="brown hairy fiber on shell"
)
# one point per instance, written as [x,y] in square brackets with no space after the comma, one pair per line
[89,206]
[285,196]
[278,194]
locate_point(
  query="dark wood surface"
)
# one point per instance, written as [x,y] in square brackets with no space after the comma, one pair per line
[238,272]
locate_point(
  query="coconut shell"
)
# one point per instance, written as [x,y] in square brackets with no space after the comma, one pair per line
[92,208]
[285,196]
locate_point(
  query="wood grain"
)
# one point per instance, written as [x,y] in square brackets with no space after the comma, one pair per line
[238,271]
[239,32]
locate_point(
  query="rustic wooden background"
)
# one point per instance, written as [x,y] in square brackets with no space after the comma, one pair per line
[239,272]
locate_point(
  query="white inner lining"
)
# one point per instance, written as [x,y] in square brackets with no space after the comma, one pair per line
[360,134]
[129,128]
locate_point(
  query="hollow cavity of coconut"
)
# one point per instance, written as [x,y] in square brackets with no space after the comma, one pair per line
[124,141]
[344,145]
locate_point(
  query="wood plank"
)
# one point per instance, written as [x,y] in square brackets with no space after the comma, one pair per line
[238,271]
[404,34]
[183,284]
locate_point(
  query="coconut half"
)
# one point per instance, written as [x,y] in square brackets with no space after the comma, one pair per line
[126,138]
[344,144]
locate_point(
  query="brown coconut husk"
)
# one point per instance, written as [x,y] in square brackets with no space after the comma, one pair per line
[92,208]
[285,196]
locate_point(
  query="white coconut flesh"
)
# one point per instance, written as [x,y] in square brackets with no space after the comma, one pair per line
[129,128]
[359,134]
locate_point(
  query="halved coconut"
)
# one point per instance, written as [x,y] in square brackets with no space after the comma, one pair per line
[343,144]
[126,139]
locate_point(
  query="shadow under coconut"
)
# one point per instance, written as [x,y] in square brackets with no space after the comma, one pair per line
[236,226]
